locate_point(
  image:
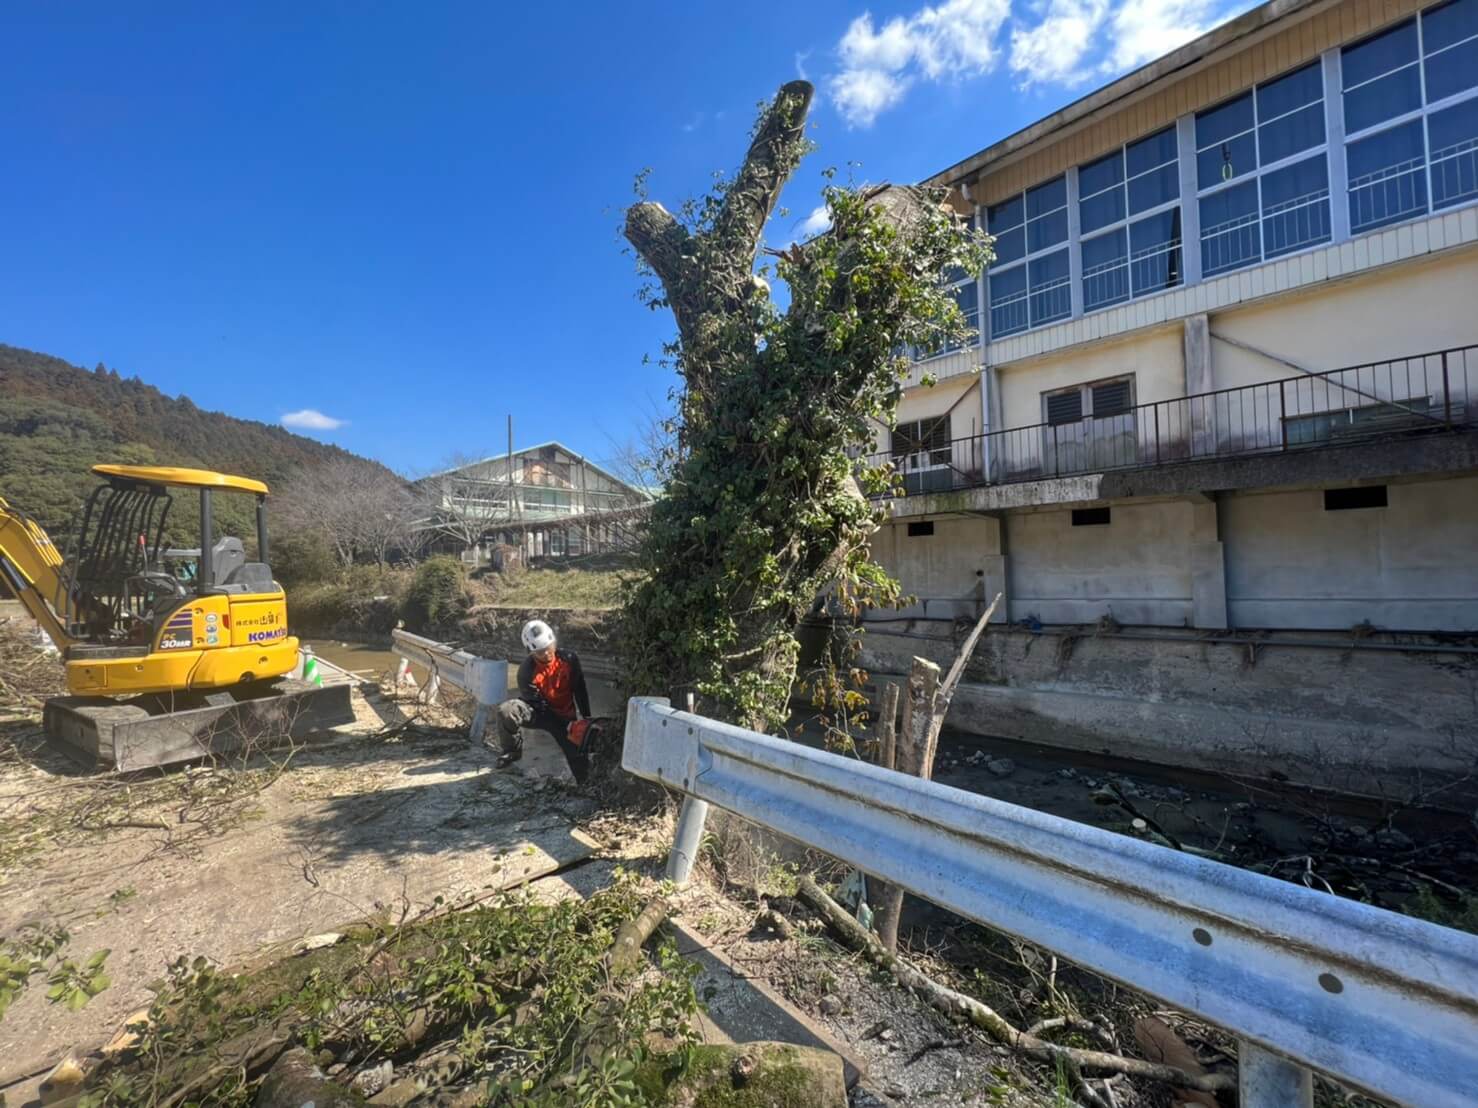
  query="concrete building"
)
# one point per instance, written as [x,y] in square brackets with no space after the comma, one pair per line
[557,503]
[1224,392]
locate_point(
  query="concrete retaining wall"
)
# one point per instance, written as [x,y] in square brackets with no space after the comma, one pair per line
[1359,720]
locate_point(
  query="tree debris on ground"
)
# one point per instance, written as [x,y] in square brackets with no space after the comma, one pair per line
[1080,1065]
[505,1002]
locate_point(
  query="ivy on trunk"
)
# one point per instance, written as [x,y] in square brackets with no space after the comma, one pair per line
[765,512]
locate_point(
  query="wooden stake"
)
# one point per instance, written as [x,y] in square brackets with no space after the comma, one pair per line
[913,758]
[923,718]
[888,727]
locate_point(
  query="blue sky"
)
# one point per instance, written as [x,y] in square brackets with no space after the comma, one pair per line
[404,217]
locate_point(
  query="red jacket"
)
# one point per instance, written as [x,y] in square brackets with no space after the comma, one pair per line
[560,684]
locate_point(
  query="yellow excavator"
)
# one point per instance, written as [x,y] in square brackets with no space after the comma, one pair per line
[163,665]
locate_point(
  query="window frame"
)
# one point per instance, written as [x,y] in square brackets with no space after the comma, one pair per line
[1085,403]
[922,445]
[1423,112]
[1028,255]
[1130,218]
[1262,170]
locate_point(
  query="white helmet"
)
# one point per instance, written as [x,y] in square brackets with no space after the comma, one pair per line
[537,635]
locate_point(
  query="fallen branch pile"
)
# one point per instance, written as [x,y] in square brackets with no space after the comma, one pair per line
[1076,1063]
[508,1002]
[28,675]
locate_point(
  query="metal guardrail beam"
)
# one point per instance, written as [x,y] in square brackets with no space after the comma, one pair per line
[486,679]
[1382,1002]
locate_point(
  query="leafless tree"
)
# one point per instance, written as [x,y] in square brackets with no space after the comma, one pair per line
[363,512]
[647,455]
[454,503]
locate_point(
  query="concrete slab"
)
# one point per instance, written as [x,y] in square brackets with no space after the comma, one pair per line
[742,1009]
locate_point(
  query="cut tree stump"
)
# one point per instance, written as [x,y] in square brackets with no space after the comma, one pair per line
[918,744]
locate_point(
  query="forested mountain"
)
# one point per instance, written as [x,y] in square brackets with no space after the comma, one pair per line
[57,420]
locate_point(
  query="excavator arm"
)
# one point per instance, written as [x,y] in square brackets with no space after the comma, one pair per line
[31,567]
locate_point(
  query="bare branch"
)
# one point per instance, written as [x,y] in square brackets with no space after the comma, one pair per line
[662,241]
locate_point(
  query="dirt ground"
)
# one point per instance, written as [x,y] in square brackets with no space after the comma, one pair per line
[222,861]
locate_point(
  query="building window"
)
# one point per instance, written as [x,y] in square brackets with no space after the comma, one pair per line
[964,290]
[1129,221]
[1261,193]
[1410,98]
[1096,401]
[1344,500]
[1029,282]
[924,441]
[921,454]
[1091,517]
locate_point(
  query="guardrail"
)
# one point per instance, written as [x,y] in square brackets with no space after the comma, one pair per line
[486,679]
[1414,394]
[1382,1002]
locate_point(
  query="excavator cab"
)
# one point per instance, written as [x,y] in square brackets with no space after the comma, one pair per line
[226,627]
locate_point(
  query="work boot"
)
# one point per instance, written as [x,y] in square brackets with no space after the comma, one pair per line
[507,758]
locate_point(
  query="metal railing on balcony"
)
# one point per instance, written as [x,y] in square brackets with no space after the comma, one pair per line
[1419,394]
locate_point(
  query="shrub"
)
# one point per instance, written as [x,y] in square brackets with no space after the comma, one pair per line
[437,595]
[302,559]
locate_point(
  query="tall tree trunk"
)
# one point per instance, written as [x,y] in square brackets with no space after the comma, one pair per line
[763,514]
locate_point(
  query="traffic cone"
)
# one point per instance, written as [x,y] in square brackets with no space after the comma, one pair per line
[310,668]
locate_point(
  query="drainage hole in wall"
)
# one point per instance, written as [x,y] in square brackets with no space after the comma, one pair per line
[1330,983]
[1202,936]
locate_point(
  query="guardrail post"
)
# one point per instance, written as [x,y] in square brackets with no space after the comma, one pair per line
[1268,1080]
[686,841]
[689,835]
[487,681]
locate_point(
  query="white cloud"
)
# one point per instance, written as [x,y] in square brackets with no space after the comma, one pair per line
[864,94]
[1053,51]
[878,64]
[819,220]
[1050,42]
[1142,30]
[310,419]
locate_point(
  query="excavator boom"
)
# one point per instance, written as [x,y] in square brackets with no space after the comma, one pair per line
[31,567]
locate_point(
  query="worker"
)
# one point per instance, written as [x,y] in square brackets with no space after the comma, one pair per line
[551,690]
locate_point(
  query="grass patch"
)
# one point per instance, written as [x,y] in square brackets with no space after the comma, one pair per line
[547,587]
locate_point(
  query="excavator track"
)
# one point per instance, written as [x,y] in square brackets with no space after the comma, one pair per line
[148,731]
